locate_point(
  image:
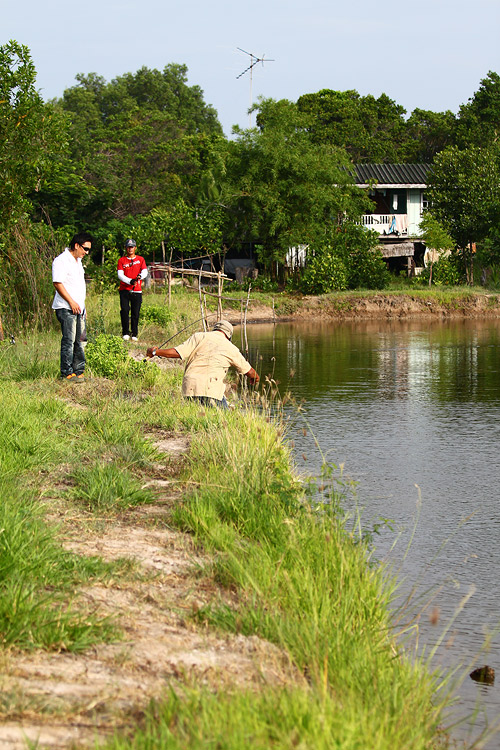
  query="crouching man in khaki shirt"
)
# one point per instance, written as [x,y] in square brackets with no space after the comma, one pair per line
[207,357]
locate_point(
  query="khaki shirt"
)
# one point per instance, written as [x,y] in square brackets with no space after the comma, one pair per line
[207,358]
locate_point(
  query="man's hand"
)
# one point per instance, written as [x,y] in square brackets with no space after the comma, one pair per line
[133,282]
[75,307]
[151,352]
[253,377]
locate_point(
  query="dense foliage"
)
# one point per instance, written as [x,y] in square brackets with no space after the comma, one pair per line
[143,155]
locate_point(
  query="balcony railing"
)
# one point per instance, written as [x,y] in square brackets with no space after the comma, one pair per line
[387,224]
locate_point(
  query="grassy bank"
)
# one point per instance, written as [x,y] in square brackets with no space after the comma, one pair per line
[280,568]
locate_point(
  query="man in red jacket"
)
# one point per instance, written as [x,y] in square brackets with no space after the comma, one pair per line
[132,271]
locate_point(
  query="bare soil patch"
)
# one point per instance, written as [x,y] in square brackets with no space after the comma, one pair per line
[64,700]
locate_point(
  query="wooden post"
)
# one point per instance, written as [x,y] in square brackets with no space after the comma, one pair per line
[201,302]
[102,257]
[245,323]
[241,322]
[219,296]
[169,279]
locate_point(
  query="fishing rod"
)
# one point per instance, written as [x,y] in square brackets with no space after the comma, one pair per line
[210,315]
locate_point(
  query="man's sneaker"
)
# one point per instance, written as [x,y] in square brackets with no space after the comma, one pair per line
[134,338]
[69,377]
[126,338]
[80,378]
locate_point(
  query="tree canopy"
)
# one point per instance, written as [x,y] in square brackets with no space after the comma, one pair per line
[287,189]
[31,133]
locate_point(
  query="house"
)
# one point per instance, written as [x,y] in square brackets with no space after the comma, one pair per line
[398,193]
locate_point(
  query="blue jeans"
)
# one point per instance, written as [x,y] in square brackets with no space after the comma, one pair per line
[72,354]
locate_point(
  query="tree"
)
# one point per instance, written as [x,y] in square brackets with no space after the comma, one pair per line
[479,119]
[435,237]
[464,190]
[370,129]
[140,142]
[286,189]
[428,133]
[30,133]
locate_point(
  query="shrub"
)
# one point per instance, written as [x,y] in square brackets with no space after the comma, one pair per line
[326,272]
[445,272]
[158,314]
[108,357]
[350,260]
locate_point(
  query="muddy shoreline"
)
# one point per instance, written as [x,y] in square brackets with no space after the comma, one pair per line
[370,307]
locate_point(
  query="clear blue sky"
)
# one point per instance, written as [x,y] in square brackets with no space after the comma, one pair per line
[429,54]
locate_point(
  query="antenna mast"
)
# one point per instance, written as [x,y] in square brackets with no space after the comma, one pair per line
[253,62]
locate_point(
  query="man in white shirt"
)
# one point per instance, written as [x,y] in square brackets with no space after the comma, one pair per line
[68,278]
[207,358]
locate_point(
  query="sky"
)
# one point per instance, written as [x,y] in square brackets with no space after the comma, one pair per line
[430,54]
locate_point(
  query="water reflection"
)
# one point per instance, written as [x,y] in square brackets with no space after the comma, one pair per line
[403,404]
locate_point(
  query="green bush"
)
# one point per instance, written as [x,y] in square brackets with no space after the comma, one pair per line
[349,261]
[326,272]
[445,272]
[158,314]
[104,276]
[108,357]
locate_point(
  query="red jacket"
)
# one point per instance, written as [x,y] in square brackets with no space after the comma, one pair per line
[131,269]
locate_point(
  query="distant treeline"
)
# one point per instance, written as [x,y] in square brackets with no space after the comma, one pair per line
[144,155]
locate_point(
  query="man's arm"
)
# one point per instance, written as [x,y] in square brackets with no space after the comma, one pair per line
[170,353]
[75,307]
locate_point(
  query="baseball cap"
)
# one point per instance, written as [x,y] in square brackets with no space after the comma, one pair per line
[131,243]
[224,326]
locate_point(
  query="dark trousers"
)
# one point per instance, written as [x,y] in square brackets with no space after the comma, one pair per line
[207,401]
[130,306]
[72,354]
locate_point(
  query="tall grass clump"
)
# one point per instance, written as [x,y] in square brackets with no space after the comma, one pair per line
[26,290]
[105,487]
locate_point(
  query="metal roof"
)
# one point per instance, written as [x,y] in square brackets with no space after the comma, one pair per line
[392,175]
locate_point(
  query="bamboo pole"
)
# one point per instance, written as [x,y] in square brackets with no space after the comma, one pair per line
[245,320]
[241,323]
[201,304]
[219,296]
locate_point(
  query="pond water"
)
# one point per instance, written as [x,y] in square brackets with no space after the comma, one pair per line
[412,411]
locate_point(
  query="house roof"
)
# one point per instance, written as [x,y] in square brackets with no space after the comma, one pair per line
[392,175]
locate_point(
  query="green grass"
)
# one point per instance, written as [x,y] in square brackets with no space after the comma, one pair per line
[297,576]
[38,434]
[305,584]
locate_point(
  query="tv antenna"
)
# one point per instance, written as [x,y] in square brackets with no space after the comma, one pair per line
[253,62]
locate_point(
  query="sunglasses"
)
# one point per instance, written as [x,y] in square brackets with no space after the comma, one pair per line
[87,249]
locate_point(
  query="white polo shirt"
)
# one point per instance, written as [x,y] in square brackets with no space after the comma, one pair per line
[207,358]
[68,271]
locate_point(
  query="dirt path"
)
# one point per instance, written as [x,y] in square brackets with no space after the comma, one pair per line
[63,700]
